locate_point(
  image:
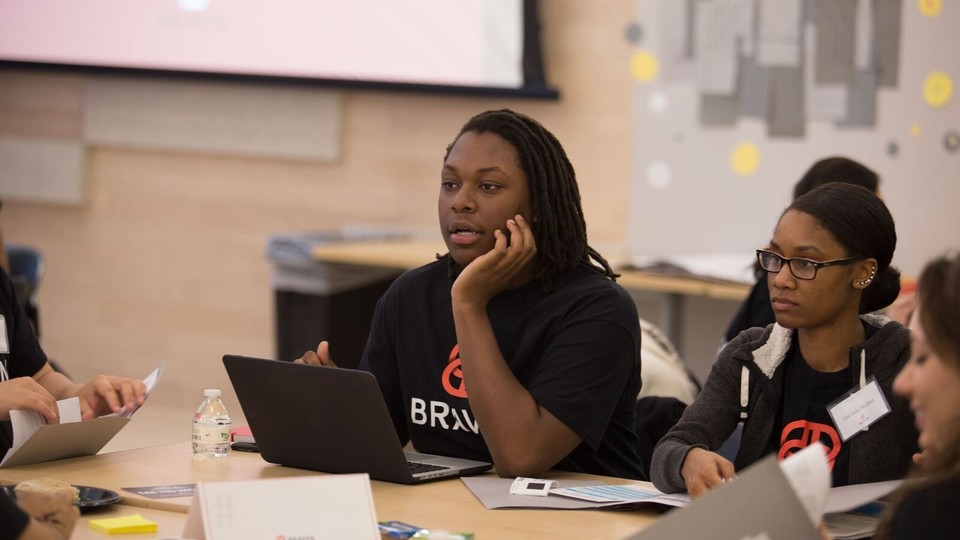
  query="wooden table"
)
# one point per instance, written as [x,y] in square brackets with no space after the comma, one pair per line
[445,504]
[411,253]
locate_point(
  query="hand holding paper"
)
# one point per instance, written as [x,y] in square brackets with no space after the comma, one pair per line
[35,441]
[26,393]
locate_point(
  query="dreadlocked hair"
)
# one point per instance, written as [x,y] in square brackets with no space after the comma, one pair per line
[557,222]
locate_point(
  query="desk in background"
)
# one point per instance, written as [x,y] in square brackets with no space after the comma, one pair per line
[405,254]
[445,504]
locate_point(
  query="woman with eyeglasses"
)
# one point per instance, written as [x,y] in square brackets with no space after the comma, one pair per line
[823,372]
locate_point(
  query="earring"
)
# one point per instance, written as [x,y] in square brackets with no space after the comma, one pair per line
[867,281]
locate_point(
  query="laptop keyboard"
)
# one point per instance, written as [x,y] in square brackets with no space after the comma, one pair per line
[420,468]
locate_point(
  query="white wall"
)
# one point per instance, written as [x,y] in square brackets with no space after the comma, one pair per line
[708,208]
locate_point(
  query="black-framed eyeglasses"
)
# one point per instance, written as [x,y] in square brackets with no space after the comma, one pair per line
[800,268]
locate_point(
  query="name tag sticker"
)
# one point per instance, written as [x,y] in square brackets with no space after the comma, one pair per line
[4,345]
[858,409]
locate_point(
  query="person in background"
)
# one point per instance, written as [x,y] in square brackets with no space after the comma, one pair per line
[4,262]
[27,381]
[516,346]
[38,516]
[755,309]
[928,505]
[828,265]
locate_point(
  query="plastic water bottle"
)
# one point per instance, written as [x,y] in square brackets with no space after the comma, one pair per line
[211,427]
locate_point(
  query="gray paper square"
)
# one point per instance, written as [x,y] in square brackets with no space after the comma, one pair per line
[836,27]
[787,103]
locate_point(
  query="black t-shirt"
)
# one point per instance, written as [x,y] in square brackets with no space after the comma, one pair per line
[931,513]
[24,356]
[575,349]
[13,520]
[803,417]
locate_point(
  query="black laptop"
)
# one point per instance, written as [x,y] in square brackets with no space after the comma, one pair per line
[330,419]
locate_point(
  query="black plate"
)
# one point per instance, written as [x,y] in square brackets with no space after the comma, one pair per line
[90,497]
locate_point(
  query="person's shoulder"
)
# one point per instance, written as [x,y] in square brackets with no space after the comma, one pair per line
[585,276]
[933,509]
[426,272]
[415,282]
[586,282]
[889,335]
[750,339]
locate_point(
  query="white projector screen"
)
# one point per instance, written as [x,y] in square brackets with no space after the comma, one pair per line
[431,43]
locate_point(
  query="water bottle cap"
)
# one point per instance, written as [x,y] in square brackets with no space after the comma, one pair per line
[211,392]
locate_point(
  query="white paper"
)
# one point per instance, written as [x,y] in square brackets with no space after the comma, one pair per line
[69,410]
[64,440]
[823,101]
[622,494]
[778,39]
[848,526]
[331,506]
[809,475]
[4,345]
[846,498]
[735,267]
[716,54]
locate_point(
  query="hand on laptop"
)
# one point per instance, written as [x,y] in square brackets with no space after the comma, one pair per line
[319,358]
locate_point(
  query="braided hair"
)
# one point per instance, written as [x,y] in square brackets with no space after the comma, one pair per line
[557,222]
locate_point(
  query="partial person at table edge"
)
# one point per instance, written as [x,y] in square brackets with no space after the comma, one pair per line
[27,380]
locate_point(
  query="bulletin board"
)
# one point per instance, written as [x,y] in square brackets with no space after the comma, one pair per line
[735,99]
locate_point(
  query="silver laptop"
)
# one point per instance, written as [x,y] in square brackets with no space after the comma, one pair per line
[330,419]
[759,505]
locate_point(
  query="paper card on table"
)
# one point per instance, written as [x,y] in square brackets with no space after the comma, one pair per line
[34,441]
[627,493]
[331,506]
[124,525]
[163,492]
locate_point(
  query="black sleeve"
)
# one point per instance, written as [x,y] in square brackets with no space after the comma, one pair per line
[380,359]
[932,513]
[25,356]
[14,519]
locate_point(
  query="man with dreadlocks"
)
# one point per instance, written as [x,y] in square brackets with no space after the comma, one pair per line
[516,346]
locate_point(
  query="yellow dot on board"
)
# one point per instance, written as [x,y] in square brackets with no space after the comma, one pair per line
[915,129]
[745,159]
[930,8]
[644,66]
[937,89]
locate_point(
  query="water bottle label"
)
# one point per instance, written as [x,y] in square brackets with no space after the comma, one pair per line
[211,435]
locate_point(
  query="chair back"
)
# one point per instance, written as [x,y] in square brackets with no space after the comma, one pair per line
[26,271]
[27,263]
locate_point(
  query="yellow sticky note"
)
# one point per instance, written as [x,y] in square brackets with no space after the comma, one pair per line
[644,66]
[124,525]
[937,89]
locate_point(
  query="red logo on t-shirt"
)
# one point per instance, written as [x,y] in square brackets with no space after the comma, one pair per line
[800,434]
[453,376]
